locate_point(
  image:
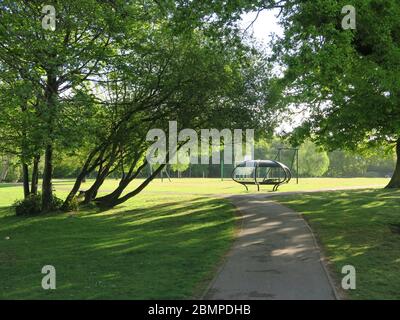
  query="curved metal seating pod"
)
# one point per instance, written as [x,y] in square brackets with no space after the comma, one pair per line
[250,173]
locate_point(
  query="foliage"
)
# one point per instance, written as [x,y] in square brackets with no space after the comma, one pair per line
[347,80]
[10,169]
[113,70]
[314,162]
[73,205]
[32,205]
[345,164]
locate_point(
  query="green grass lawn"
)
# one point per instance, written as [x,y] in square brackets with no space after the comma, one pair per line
[216,186]
[167,242]
[153,247]
[359,228]
[200,186]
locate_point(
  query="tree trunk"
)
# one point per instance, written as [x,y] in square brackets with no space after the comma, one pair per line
[113,197]
[25,177]
[111,201]
[35,175]
[51,95]
[74,190]
[114,202]
[4,168]
[125,181]
[47,187]
[87,168]
[91,194]
[395,181]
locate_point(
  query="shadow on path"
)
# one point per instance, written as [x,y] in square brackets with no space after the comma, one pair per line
[274,257]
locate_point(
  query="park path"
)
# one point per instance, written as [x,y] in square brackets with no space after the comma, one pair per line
[275,256]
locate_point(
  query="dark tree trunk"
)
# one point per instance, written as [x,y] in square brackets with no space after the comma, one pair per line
[91,194]
[74,189]
[113,197]
[47,187]
[395,181]
[114,202]
[35,175]
[25,177]
[51,95]
[87,168]
[125,181]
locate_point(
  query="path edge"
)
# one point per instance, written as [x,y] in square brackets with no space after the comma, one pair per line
[224,260]
[322,257]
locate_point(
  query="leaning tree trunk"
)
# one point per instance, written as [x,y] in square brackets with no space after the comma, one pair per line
[91,193]
[110,203]
[87,168]
[125,181]
[395,181]
[25,177]
[103,173]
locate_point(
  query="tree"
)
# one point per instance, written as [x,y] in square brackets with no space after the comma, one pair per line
[109,71]
[56,66]
[9,169]
[346,164]
[348,80]
[201,86]
[314,162]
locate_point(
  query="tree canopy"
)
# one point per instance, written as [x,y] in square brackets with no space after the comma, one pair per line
[109,71]
[346,80]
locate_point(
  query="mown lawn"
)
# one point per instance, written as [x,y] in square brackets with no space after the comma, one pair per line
[153,247]
[216,186]
[198,186]
[167,242]
[359,228]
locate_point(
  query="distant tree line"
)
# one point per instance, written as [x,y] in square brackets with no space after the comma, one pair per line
[313,162]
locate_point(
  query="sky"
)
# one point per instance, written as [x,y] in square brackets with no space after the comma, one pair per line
[262,29]
[265,25]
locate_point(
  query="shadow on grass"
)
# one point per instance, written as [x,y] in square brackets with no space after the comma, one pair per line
[356,228]
[152,251]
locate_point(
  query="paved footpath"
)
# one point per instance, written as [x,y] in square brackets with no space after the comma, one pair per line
[274,257]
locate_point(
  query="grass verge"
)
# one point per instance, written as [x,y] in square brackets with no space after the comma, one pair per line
[359,228]
[153,247]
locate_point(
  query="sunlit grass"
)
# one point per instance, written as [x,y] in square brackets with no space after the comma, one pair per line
[153,247]
[358,228]
[227,186]
[166,242]
[200,186]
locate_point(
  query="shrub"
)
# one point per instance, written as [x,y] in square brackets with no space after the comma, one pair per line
[57,203]
[32,205]
[73,205]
